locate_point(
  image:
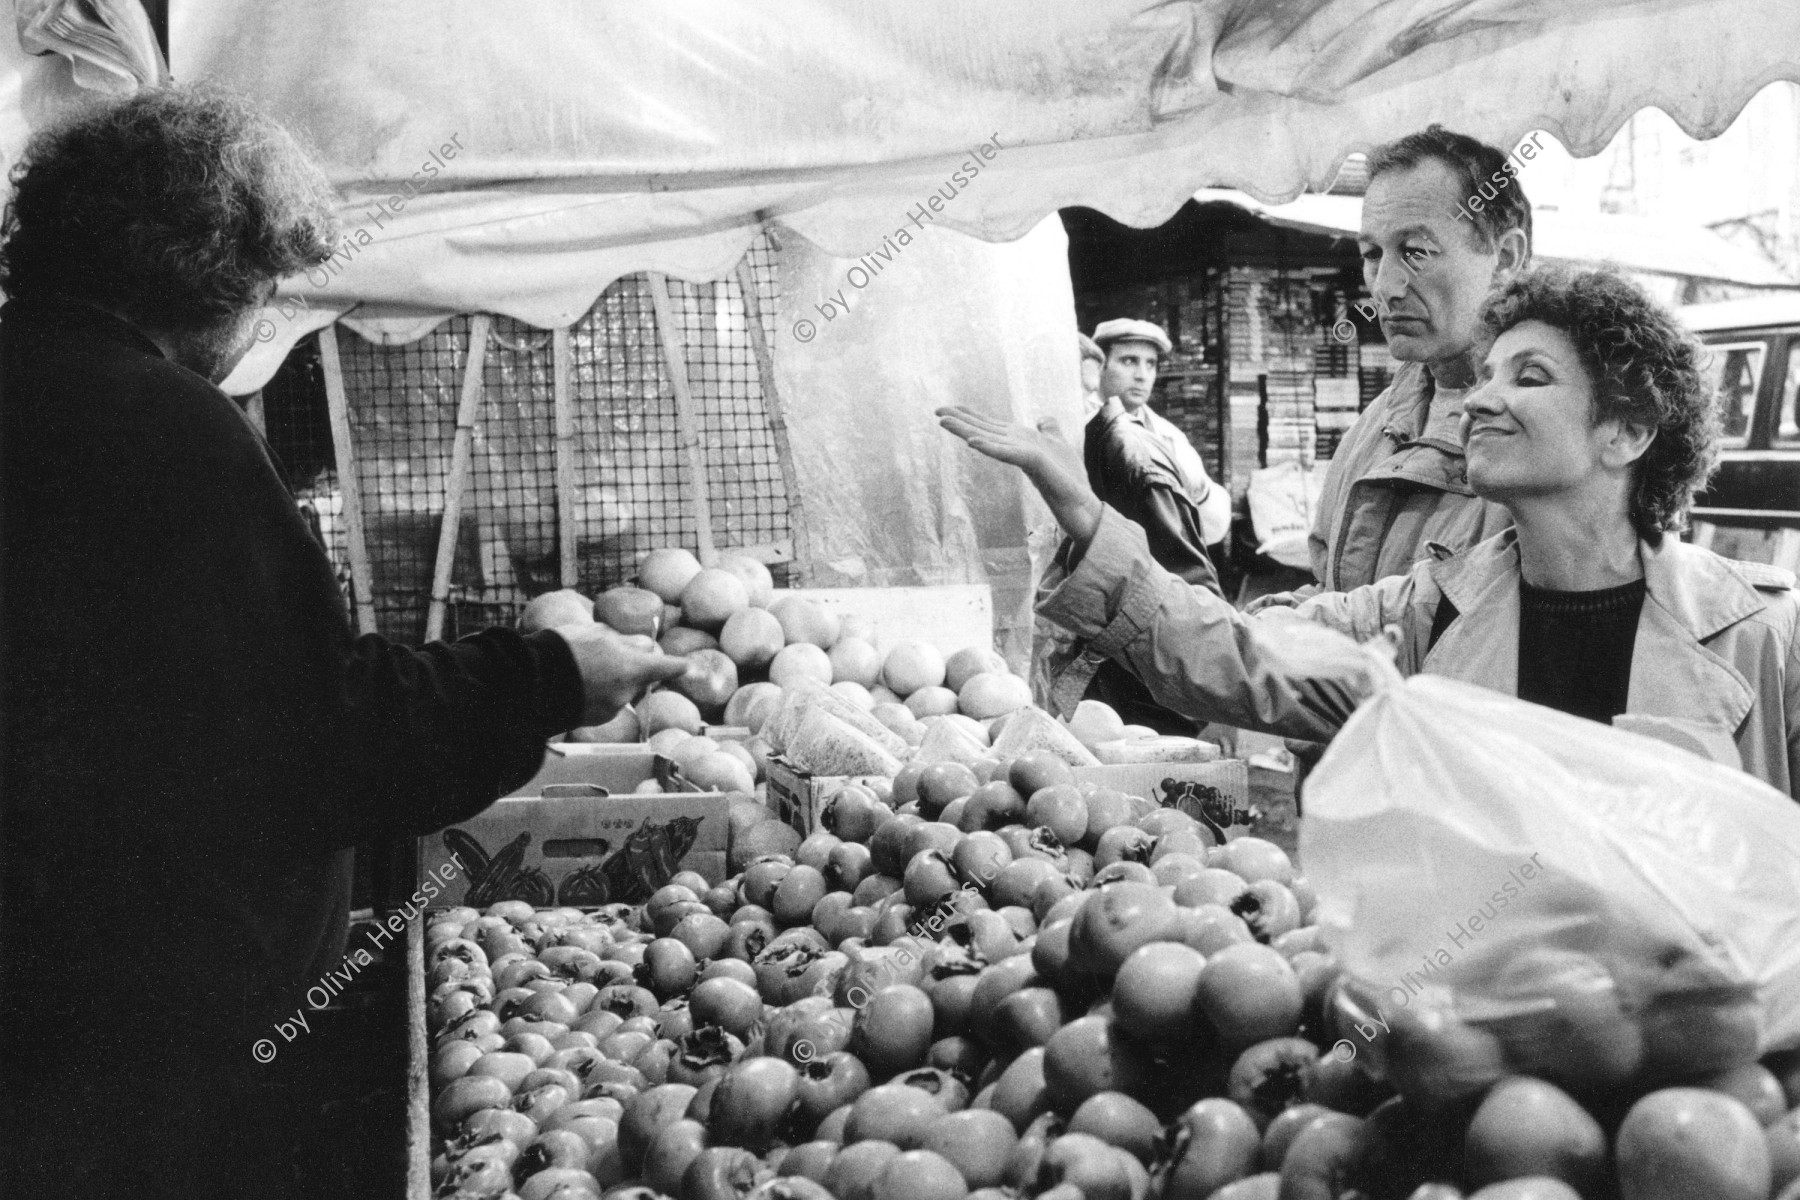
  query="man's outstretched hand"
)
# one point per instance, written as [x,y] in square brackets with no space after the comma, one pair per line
[1053,466]
[612,673]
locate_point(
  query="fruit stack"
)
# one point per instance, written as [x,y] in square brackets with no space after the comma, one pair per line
[802,681]
[982,978]
[1002,988]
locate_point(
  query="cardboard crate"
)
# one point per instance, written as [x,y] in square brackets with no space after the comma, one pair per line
[577,846]
[797,796]
[615,767]
[1224,782]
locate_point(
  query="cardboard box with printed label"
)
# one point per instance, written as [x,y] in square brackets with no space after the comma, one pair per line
[798,797]
[1216,792]
[575,844]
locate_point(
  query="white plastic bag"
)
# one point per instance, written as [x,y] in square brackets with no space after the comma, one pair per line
[1512,889]
[1283,499]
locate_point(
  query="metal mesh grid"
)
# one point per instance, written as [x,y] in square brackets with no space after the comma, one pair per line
[402,402]
[298,427]
[634,497]
[632,491]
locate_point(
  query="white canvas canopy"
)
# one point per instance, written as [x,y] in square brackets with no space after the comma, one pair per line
[606,137]
[518,159]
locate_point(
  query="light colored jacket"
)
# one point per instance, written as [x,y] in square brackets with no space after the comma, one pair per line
[1716,647]
[1213,501]
[1391,493]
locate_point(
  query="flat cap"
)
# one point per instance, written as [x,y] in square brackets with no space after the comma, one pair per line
[1122,329]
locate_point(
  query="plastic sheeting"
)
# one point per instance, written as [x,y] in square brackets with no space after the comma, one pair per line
[606,136]
[888,498]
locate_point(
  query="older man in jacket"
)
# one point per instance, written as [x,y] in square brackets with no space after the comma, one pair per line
[1444,220]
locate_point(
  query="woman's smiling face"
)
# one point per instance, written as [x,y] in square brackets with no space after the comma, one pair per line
[1527,427]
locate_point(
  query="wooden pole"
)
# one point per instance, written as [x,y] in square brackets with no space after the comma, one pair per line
[362,580]
[461,455]
[569,567]
[675,358]
[418,1063]
[777,417]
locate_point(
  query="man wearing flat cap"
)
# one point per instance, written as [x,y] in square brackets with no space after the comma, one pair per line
[1132,352]
[1144,467]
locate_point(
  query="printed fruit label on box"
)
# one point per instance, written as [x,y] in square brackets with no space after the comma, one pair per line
[583,851]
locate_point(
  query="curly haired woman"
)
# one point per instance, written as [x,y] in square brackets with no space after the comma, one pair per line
[1591,425]
[194,738]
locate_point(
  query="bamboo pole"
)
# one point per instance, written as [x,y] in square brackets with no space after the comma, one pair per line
[461,456]
[362,580]
[675,358]
[569,567]
[777,417]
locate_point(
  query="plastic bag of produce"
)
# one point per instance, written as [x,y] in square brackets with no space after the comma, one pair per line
[1514,890]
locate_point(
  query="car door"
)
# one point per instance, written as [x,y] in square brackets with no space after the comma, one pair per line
[1759,463]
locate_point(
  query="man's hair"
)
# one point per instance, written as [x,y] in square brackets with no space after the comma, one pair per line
[1645,370]
[175,207]
[1090,348]
[1474,164]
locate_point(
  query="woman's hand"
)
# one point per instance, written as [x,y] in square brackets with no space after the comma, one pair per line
[1048,460]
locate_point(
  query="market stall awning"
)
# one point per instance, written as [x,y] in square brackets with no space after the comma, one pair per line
[600,137]
[1633,243]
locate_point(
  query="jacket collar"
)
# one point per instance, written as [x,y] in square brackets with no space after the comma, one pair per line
[1701,592]
[1409,403]
[75,315]
[1690,596]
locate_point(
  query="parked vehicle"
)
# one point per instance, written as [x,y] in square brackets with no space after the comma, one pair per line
[1752,508]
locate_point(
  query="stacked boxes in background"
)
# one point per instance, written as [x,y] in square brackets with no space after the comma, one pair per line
[1335,405]
[1288,400]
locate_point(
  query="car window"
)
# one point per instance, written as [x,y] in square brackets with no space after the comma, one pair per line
[1787,429]
[1735,369]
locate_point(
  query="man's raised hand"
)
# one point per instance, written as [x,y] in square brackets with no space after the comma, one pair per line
[1048,460]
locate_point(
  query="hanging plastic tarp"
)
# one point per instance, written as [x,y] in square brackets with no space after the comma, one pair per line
[890,499]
